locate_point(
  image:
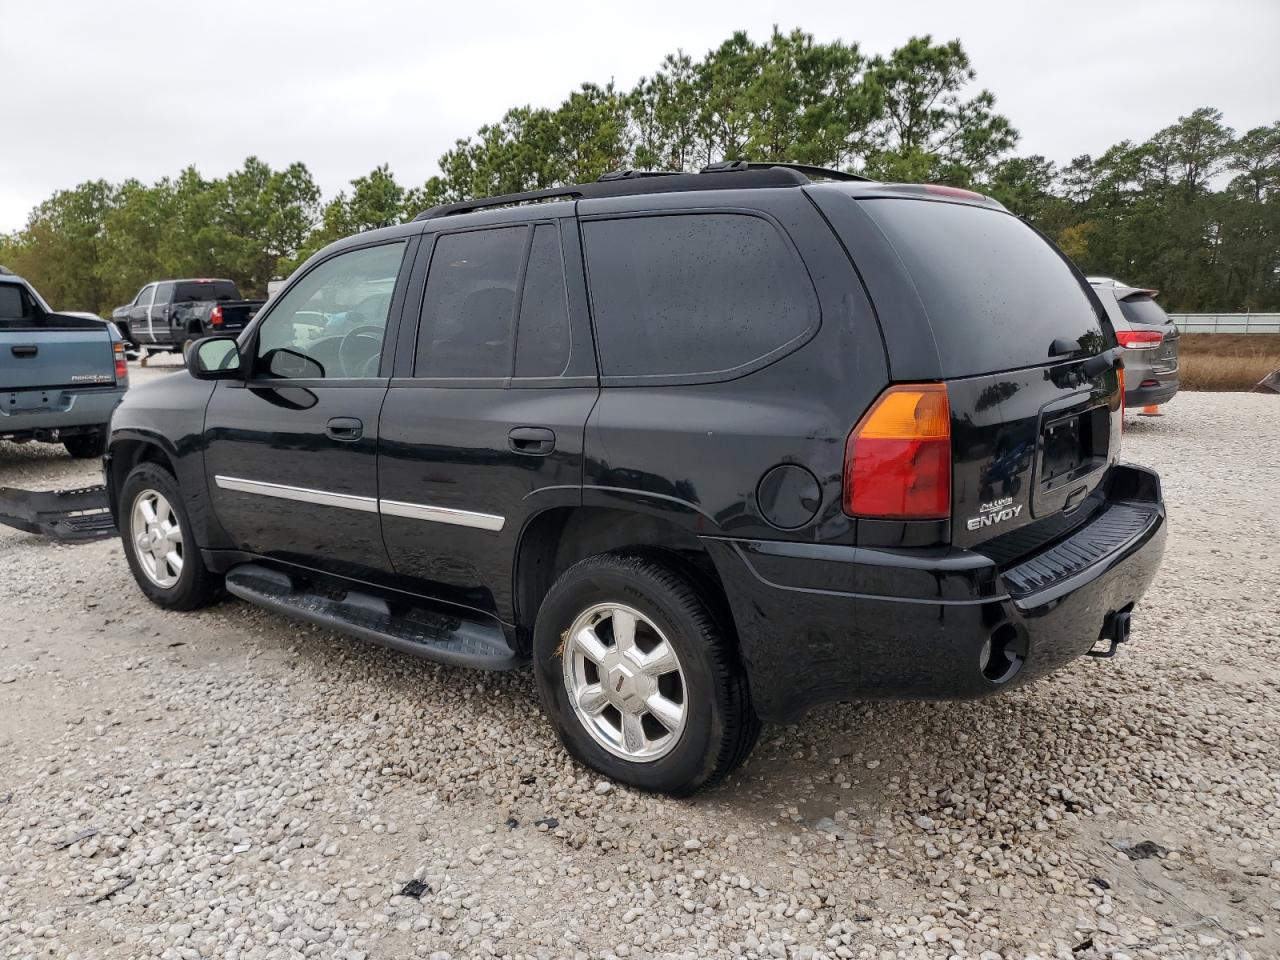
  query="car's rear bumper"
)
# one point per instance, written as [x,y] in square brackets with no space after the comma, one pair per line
[819,623]
[28,413]
[1162,391]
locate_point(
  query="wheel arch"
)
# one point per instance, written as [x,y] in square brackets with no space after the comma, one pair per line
[130,447]
[557,538]
[124,454]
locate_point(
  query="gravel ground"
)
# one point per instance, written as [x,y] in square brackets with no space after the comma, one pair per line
[229,784]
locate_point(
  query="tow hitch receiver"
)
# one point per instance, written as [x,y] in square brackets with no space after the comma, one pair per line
[72,515]
[1115,629]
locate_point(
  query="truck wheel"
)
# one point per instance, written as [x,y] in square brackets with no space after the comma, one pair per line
[158,542]
[639,679]
[83,446]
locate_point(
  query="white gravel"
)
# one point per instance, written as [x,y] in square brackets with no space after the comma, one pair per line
[244,787]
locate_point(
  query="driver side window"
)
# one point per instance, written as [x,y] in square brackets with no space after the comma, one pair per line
[330,324]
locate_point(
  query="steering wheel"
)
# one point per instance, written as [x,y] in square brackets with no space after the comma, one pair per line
[354,353]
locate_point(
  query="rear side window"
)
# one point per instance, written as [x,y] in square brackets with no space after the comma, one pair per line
[542,344]
[205,290]
[13,303]
[694,296]
[468,307]
[996,293]
[1143,309]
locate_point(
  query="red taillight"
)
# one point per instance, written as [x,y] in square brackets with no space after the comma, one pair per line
[122,366]
[1140,339]
[897,462]
[215,316]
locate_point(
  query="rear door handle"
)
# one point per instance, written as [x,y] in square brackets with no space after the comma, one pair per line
[534,441]
[344,428]
[24,350]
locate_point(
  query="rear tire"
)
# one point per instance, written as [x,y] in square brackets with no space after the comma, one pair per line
[158,541]
[674,655]
[84,446]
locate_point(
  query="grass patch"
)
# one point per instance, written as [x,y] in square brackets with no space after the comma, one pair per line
[1226,361]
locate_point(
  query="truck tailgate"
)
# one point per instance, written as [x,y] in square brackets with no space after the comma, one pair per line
[56,356]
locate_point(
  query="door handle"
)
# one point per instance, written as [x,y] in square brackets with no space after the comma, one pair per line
[24,350]
[534,441]
[344,428]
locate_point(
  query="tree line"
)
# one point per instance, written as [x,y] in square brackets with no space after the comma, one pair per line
[1193,211]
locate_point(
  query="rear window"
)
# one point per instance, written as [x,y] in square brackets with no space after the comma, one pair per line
[694,296]
[996,293]
[1142,309]
[205,290]
[13,304]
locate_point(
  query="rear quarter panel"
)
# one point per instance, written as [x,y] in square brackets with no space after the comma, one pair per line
[695,454]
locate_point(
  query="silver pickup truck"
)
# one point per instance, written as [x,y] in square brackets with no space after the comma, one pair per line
[61,374]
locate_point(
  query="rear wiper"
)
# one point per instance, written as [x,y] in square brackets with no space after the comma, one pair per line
[1062,346]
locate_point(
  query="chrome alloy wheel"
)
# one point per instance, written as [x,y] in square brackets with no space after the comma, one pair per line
[157,538]
[625,682]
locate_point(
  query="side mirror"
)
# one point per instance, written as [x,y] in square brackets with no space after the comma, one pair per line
[215,358]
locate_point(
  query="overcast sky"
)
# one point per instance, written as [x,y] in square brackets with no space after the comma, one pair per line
[122,89]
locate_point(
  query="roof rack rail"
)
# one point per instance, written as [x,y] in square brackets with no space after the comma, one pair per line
[634,175]
[502,200]
[760,176]
[808,169]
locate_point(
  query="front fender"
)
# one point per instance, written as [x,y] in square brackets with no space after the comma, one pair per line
[164,421]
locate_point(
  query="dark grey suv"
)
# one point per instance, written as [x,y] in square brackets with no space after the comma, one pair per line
[1149,339]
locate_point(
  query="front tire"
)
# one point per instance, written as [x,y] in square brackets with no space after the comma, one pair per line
[158,541]
[638,676]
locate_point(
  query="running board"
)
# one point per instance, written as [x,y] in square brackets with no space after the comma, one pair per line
[71,515]
[420,631]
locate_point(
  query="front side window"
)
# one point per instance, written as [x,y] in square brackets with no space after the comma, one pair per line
[144,296]
[330,325]
[468,307]
[693,295]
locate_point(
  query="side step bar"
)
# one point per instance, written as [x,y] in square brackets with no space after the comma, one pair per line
[72,515]
[420,631]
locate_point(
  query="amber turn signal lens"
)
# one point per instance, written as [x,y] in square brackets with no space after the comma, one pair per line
[898,457]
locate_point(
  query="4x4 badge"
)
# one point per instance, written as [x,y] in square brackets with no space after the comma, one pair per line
[997,511]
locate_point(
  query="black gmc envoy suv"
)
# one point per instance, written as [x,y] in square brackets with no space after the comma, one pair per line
[708,449]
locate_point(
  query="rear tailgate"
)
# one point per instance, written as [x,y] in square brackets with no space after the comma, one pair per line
[1141,312]
[230,316]
[237,314]
[55,351]
[1026,355]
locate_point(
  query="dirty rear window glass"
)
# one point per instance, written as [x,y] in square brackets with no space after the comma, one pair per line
[693,295]
[206,290]
[996,293]
[1143,309]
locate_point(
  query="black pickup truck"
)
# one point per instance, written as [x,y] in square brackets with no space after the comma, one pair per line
[168,314]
